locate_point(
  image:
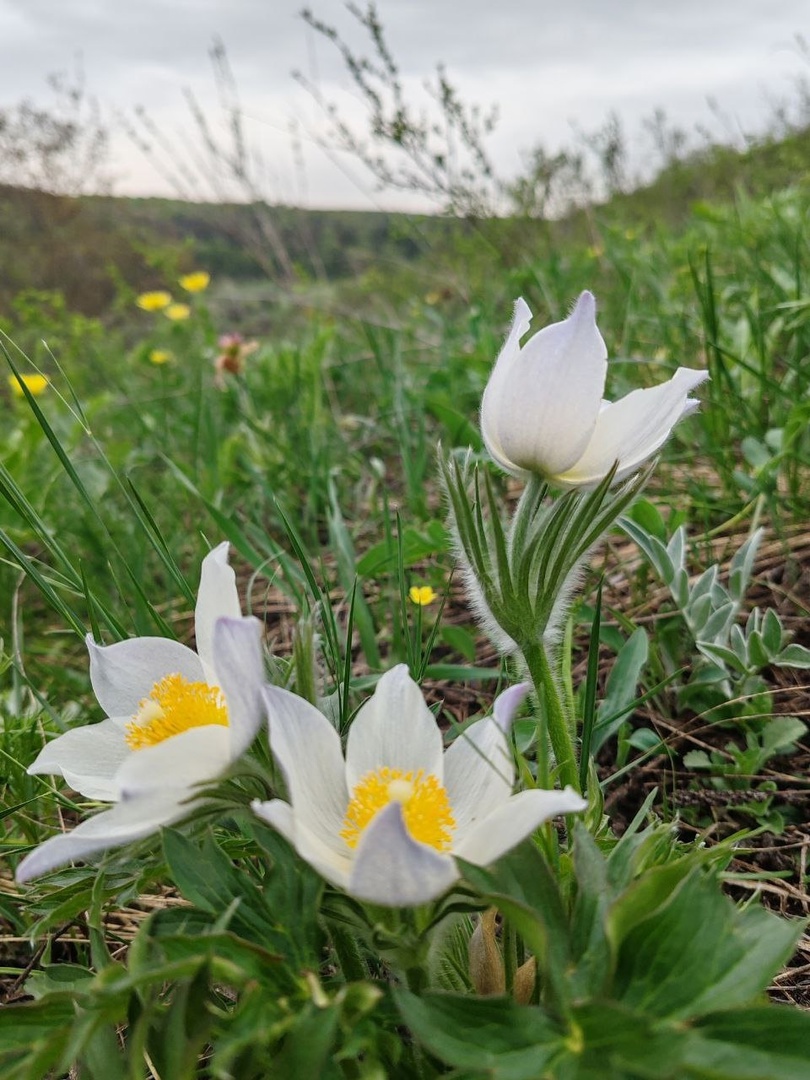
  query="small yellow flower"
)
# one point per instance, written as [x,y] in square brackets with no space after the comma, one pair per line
[160,356]
[177,312]
[421,595]
[196,282]
[35,384]
[154,301]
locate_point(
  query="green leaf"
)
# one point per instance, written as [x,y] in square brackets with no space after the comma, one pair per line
[207,877]
[682,955]
[723,654]
[652,547]
[180,1029]
[493,1037]
[610,1042]
[719,621]
[781,733]
[757,652]
[620,691]
[589,944]
[23,1025]
[772,632]
[648,516]
[759,1043]
[796,656]
[52,978]
[230,957]
[742,565]
[292,892]
[307,1048]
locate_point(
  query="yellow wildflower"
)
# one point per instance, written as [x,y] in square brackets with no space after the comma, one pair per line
[154,301]
[196,282]
[177,312]
[421,595]
[35,384]
[160,356]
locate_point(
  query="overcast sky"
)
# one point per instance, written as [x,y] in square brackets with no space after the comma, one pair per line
[545,65]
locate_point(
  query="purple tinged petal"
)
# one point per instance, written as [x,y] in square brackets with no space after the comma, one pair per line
[239,666]
[507,704]
[123,823]
[394,870]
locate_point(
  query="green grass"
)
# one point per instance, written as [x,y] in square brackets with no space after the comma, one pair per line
[318,463]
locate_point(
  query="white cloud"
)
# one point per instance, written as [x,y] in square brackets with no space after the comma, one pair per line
[543,65]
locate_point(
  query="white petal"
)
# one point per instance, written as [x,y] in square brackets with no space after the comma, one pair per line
[394,729]
[490,404]
[479,772]
[513,821]
[176,764]
[392,869]
[329,864]
[121,824]
[539,410]
[217,596]
[307,748]
[123,674]
[240,676]
[631,430]
[87,757]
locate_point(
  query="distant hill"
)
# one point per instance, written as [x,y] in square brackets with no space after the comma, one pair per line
[91,247]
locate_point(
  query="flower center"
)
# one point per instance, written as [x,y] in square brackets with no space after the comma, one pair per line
[173,706]
[425,806]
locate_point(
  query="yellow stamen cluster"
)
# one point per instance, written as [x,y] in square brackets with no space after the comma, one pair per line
[425,806]
[175,705]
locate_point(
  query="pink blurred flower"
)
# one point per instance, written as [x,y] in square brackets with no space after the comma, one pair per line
[234,350]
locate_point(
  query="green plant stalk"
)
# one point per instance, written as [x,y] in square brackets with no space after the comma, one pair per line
[551,707]
[348,955]
[510,954]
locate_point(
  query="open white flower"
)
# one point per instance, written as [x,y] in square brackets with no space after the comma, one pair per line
[176,719]
[543,412]
[386,823]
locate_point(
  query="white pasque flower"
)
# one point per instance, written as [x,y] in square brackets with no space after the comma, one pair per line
[176,719]
[543,411]
[386,823]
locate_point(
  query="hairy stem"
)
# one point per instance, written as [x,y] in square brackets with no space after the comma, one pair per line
[551,709]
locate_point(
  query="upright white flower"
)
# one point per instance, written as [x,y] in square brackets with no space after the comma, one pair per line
[386,823]
[176,719]
[543,411]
